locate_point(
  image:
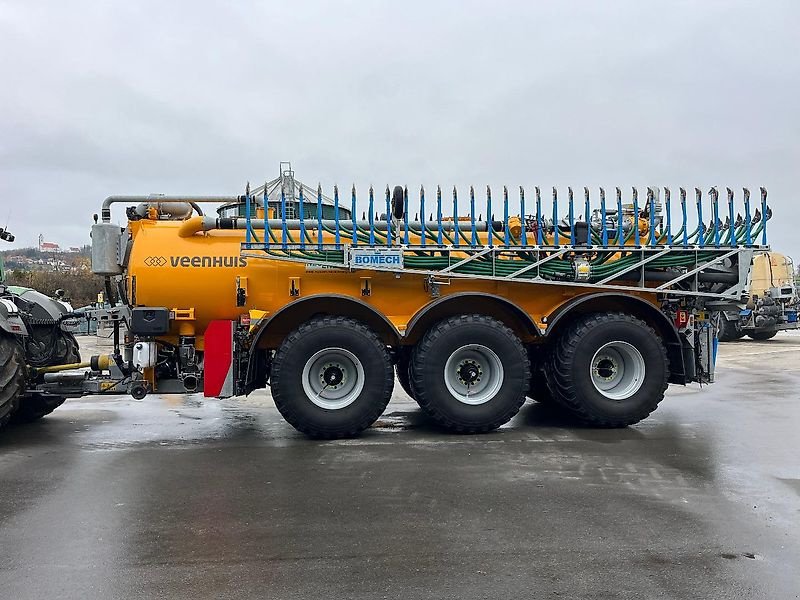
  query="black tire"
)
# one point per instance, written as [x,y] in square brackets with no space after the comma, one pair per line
[398,202]
[762,336]
[35,406]
[47,346]
[296,352]
[537,388]
[728,331]
[570,371]
[73,352]
[12,376]
[446,339]
[403,372]
[539,391]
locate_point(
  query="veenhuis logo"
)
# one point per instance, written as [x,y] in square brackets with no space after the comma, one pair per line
[196,261]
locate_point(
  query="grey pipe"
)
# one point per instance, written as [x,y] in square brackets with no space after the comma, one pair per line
[210,223]
[106,209]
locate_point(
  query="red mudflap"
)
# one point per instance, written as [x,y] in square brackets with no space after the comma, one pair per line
[218,360]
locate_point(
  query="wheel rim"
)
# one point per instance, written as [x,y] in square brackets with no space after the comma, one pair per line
[617,370]
[473,374]
[333,378]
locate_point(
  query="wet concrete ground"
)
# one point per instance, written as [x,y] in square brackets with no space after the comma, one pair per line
[179,497]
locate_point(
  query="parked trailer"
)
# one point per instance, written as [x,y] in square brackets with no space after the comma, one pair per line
[597,311]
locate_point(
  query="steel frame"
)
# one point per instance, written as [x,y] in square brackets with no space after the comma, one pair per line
[731,259]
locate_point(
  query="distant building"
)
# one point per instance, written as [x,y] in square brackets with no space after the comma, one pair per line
[49,247]
[283,193]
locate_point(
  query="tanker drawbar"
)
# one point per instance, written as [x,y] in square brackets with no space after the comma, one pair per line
[471,302]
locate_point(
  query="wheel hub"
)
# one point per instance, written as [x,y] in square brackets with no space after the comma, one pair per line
[617,370]
[332,375]
[473,374]
[333,378]
[469,372]
[607,368]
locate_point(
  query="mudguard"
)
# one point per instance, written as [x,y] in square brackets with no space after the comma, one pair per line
[10,320]
[42,308]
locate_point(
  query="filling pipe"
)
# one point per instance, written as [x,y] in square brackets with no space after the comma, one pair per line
[193,225]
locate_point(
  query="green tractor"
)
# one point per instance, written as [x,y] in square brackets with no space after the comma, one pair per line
[31,338]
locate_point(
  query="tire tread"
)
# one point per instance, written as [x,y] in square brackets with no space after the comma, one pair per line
[285,406]
[560,379]
[426,402]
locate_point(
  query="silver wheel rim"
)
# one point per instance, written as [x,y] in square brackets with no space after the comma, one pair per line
[473,374]
[333,378]
[617,370]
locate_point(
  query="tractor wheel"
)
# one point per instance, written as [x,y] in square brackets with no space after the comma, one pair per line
[12,376]
[470,373]
[728,331]
[762,336]
[403,375]
[609,369]
[332,377]
[47,346]
[35,406]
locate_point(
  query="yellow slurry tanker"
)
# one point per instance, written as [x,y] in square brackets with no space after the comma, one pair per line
[476,301]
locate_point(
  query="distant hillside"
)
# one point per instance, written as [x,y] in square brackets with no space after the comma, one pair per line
[51,271]
[33,259]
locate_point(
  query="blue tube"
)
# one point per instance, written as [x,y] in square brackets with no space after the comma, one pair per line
[319,217]
[439,215]
[405,216]
[455,217]
[505,216]
[620,233]
[715,209]
[669,215]
[474,237]
[421,214]
[684,220]
[337,239]
[748,226]
[489,218]
[302,207]
[247,217]
[732,228]
[764,216]
[267,228]
[524,232]
[702,226]
[539,218]
[571,218]
[604,235]
[652,210]
[371,217]
[555,217]
[353,215]
[586,216]
[284,232]
[635,222]
[388,218]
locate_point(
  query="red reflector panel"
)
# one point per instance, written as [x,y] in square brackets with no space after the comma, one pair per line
[218,360]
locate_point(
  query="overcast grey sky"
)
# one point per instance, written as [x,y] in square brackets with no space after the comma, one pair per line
[101,98]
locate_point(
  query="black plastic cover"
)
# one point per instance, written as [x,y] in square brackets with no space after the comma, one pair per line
[146,320]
